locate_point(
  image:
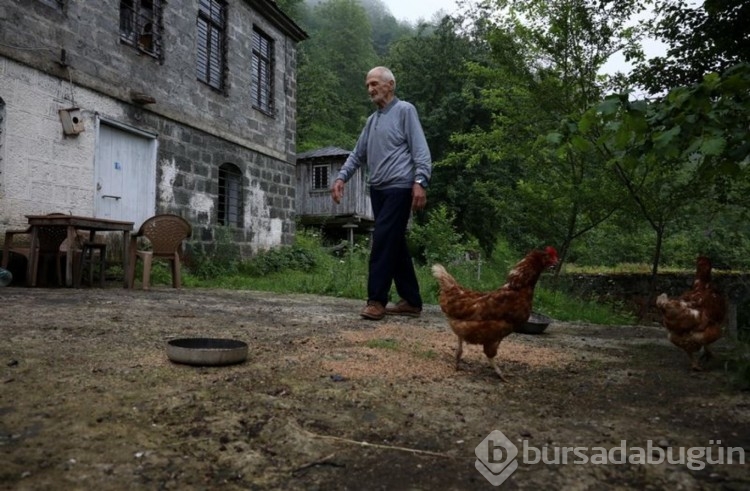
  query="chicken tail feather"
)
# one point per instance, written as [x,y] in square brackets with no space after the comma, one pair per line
[662,300]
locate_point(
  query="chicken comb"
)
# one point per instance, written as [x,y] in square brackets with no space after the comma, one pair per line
[551,252]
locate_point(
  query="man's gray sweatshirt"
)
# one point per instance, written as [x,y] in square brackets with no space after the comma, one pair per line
[393,148]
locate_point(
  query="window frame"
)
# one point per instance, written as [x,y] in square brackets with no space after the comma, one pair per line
[262,72]
[143,28]
[55,4]
[230,196]
[320,183]
[213,42]
[3,120]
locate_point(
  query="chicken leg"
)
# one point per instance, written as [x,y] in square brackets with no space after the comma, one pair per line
[493,362]
[490,350]
[695,364]
[707,354]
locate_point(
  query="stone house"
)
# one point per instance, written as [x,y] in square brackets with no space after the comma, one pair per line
[126,108]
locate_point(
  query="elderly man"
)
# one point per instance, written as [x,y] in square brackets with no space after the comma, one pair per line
[393,147]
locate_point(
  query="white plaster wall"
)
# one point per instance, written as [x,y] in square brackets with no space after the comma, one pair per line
[41,169]
[202,203]
[267,231]
[168,175]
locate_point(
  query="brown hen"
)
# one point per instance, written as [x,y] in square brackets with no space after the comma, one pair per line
[695,319]
[487,317]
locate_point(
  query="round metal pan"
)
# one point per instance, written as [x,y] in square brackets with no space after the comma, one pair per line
[536,324]
[206,351]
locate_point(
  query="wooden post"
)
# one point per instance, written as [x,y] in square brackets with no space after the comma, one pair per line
[350,227]
[732,320]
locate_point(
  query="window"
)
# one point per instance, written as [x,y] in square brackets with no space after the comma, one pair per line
[262,76]
[141,26]
[320,177]
[211,43]
[230,195]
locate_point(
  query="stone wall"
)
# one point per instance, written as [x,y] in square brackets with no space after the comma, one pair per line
[55,55]
[188,180]
[633,291]
[80,43]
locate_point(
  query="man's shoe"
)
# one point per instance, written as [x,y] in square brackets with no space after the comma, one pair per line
[373,311]
[403,308]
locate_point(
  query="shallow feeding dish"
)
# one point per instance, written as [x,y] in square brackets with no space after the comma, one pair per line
[206,351]
[536,324]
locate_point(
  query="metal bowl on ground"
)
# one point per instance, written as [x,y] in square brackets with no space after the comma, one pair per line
[206,351]
[536,324]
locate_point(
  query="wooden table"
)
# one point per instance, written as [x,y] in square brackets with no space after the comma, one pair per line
[73,224]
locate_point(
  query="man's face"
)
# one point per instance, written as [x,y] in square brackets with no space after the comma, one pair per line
[380,92]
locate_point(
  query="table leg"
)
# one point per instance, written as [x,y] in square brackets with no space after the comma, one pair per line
[32,263]
[69,256]
[126,257]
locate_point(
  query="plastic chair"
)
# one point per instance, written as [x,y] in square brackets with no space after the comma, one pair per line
[49,241]
[165,233]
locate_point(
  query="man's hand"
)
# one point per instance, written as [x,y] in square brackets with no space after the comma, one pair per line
[337,190]
[418,197]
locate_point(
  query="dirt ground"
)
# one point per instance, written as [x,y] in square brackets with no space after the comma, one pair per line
[89,399]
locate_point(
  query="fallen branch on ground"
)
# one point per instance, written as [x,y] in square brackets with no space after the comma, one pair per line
[373,445]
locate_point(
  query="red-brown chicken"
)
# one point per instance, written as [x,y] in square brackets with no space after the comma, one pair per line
[695,319]
[487,317]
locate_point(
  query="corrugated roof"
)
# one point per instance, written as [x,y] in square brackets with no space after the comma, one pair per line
[323,152]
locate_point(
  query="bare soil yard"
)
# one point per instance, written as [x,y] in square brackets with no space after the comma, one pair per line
[325,400]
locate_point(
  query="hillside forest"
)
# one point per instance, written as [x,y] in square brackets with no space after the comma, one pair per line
[533,143]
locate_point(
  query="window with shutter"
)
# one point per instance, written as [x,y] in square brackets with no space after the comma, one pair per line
[211,56]
[58,4]
[262,72]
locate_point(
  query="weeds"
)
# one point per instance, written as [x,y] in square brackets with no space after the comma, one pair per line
[308,266]
[388,343]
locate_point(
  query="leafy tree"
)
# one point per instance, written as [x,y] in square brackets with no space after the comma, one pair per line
[544,69]
[484,164]
[332,70]
[431,73]
[386,30]
[572,40]
[320,123]
[708,37]
[501,90]
[674,155]
[292,8]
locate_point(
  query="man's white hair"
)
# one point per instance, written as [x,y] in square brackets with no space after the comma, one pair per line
[385,73]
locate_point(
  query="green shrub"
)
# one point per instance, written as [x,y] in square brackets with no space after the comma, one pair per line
[437,240]
[219,260]
[303,255]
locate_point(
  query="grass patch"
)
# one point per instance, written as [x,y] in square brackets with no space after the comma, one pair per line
[309,267]
[427,355]
[387,343]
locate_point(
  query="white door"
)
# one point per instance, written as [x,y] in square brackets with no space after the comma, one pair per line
[125,173]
